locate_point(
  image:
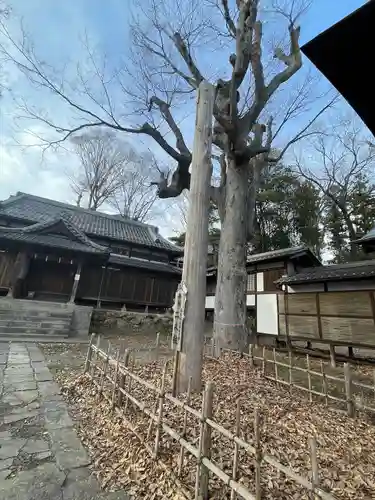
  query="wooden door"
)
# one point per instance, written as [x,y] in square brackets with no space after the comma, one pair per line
[50,278]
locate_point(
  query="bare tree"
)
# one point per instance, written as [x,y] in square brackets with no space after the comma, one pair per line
[135,197]
[338,161]
[102,165]
[172,44]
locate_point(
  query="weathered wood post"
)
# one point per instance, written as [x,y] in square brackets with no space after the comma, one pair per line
[77,277]
[196,243]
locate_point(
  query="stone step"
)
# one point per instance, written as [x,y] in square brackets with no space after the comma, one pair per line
[47,322]
[16,323]
[45,339]
[17,304]
[34,330]
[34,314]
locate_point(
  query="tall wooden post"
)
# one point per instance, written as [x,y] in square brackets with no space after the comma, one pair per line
[77,277]
[196,243]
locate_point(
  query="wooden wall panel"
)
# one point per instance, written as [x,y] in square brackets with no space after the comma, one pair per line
[302,303]
[7,261]
[355,303]
[302,326]
[282,325]
[281,302]
[351,330]
[270,277]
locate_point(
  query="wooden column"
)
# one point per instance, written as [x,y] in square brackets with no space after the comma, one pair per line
[77,277]
[196,243]
[20,270]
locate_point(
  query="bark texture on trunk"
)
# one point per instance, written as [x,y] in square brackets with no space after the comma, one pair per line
[230,299]
[196,244]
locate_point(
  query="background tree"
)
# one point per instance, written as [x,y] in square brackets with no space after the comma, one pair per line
[135,196]
[101,166]
[341,166]
[288,212]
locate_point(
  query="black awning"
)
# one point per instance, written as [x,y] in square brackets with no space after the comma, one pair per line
[345,55]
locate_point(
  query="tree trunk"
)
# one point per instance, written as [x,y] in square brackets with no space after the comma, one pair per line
[196,244]
[230,299]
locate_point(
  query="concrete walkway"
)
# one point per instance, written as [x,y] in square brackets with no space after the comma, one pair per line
[41,456]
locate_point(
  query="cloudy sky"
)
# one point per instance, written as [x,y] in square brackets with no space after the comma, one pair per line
[57,30]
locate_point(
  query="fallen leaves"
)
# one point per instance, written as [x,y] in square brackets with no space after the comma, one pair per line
[346,452]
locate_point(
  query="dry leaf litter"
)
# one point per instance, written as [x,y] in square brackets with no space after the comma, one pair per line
[345,446]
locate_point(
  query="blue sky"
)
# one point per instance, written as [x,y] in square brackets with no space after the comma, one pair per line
[57,30]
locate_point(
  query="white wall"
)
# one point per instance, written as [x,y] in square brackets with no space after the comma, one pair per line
[250,299]
[267,318]
[210,302]
[260,282]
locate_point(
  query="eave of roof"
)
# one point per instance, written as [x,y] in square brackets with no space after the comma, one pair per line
[332,52]
[336,272]
[370,236]
[123,260]
[275,255]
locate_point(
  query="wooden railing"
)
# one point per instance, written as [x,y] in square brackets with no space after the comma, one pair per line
[116,381]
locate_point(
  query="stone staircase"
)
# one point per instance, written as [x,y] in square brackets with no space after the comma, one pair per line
[21,320]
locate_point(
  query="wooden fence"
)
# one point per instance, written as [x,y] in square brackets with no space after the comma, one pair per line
[342,388]
[117,382]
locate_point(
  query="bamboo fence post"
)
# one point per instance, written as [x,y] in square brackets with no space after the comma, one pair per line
[104,372]
[123,378]
[182,451]
[258,455]
[157,344]
[264,361]
[324,380]
[275,366]
[131,369]
[309,376]
[332,355]
[251,355]
[94,363]
[314,467]
[89,354]
[156,405]
[160,412]
[233,494]
[349,390]
[290,370]
[115,380]
[175,372]
[199,454]
[212,348]
[206,440]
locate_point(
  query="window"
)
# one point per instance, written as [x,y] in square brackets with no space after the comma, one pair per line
[251,282]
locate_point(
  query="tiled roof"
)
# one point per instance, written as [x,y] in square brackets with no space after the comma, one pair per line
[31,208]
[50,240]
[367,237]
[336,272]
[143,264]
[280,254]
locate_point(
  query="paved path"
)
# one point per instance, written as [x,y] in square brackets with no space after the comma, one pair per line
[41,457]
